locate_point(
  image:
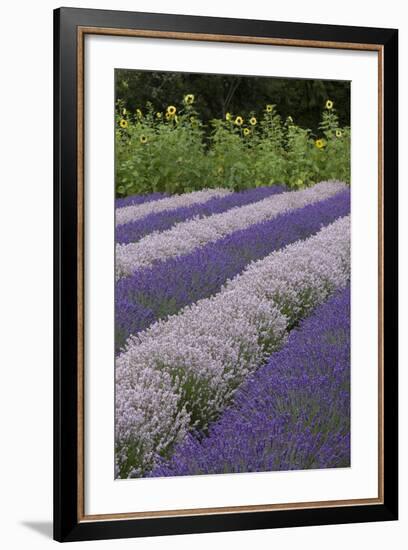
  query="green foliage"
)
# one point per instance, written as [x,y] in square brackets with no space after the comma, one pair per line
[173,151]
[228,158]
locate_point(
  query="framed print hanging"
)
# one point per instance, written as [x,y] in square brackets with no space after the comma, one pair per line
[225,274]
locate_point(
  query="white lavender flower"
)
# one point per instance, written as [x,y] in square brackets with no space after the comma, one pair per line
[148,419]
[134,212]
[181,372]
[186,236]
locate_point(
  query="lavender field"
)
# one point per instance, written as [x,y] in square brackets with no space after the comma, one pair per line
[232,331]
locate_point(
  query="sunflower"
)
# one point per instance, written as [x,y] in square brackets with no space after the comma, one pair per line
[329,104]
[290,119]
[143,139]
[252,121]
[339,133]
[228,116]
[171,110]
[159,115]
[124,111]
[247,131]
[319,143]
[239,121]
[189,99]
[123,123]
[269,108]
[139,113]
[168,117]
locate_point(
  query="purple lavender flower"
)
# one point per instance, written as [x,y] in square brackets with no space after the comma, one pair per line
[134,212]
[163,289]
[293,413]
[159,221]
[139,199]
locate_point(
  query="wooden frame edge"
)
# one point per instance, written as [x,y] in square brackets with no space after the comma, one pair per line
[228,38]
[225,510]
[381,274]
[81,272]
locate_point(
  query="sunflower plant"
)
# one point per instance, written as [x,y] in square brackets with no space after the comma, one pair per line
[229,164]
[168,149]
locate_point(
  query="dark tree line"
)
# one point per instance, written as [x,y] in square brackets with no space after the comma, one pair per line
[215,95]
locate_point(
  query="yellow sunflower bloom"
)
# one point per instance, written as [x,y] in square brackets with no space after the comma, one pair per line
[143,139]
[269,108]
[124,111]
[239,121]
[252,121]
[159,115]
[171,110]
[329,104]
[139,113]
[319,143]
[228,116]
[123,123]
[247,131]
[189,99]
[339,133]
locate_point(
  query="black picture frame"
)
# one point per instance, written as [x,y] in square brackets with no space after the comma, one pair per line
[69,525]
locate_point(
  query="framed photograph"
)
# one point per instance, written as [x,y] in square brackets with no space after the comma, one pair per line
[225,274]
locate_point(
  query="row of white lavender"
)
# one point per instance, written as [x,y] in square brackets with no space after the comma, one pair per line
[184,237]
[135,212]
[181,372]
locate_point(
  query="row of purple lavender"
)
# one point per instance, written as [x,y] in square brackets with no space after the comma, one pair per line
[184,237]
[138,199]
[159,221]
